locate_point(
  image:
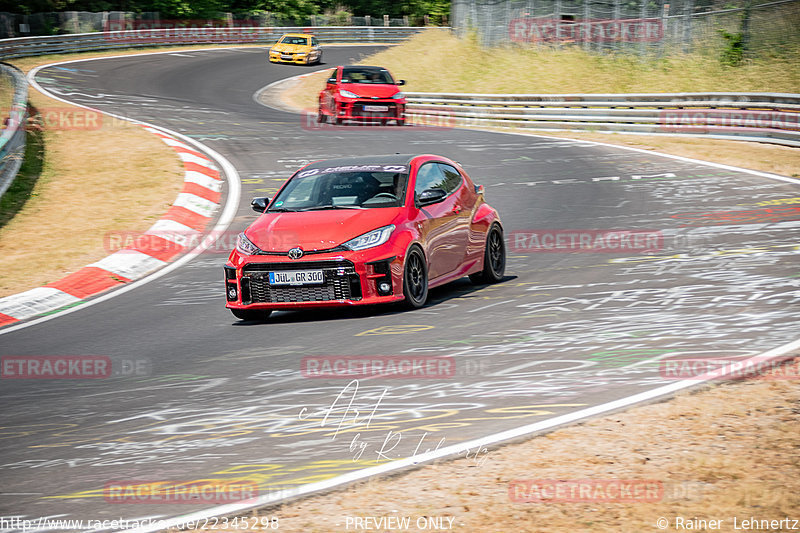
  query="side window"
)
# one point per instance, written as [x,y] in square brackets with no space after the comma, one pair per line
[429,176]
[452,179]
[314,41]
[437,176]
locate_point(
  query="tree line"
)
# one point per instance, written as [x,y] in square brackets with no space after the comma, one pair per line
[195,9]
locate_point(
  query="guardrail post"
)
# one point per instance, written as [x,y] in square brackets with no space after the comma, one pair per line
[12,138]
[386,20]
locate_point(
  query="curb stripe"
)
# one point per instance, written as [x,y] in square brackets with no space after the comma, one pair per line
[183,216]
[35,302]
[88,281]
[195,203]
[181,225]
[131,264]
[201,179]
[190,151]
[5,320]
[157,246]
[202,170]
[202,192]
[191,158]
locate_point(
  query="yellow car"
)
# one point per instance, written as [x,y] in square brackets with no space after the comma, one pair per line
[298,48]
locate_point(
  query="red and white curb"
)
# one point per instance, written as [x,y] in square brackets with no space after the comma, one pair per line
[184,222]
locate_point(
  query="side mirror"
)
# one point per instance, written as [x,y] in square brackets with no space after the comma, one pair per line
[430,196]
[260,204]
[401,82]
[331,80]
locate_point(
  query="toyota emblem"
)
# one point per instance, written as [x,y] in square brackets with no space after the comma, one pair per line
[295,253]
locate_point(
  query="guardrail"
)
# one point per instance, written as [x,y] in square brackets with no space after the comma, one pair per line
[763,117]
[109,40]
[12,137]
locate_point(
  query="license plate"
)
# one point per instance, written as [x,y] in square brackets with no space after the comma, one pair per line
[285,56]
[296,277]
[376,108]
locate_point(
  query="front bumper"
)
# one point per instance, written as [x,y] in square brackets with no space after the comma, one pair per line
[297,59]
[356,278]
[360,109]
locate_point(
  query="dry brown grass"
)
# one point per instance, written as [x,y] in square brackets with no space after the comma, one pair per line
[94,181]
[437,61]
[729,451]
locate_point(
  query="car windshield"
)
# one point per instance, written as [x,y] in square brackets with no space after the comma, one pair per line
[358,75]
[294,40]
[321,188]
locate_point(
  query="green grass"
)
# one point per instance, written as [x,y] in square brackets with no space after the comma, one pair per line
[437,61]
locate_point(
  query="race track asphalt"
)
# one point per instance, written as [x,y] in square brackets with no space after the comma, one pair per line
[222,399]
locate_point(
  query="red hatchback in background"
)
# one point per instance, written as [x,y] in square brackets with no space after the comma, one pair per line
[362,94]
[364,230]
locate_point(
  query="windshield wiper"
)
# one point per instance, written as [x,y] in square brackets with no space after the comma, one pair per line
[321,207]
[282,210]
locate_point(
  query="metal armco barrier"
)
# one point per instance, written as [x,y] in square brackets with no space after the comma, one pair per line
[81,42]
[763,117]
[12,137]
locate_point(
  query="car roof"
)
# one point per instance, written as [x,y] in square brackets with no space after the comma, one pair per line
[296,35]
[362,67]
[393,159]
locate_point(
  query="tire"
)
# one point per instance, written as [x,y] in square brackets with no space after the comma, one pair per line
[401,122]
[322,118]
[494,258]
[338,121]
[252,315]
[415,279]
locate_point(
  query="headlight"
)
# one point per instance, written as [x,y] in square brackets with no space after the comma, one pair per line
[347,94]
[398,96]
[371,239]
[244,245]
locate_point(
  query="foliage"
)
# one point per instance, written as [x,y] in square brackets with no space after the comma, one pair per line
[733,52]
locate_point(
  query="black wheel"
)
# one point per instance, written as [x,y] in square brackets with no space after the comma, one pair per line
[401,122]
[251,314]
[338,120]
[322,118]
[415,279]
[494,258]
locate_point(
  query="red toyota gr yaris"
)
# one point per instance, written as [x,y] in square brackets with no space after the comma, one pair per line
[364,94]
[364,230]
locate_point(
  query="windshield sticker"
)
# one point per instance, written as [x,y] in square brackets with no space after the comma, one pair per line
[353,168]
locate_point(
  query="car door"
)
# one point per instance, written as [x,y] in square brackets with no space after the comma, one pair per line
[327,100]
[441,224]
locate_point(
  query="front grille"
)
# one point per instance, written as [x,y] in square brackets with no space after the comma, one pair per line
[340,283]
[358,109]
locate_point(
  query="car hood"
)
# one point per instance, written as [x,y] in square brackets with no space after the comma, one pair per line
[316,230]
[291,48]
[368,90]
